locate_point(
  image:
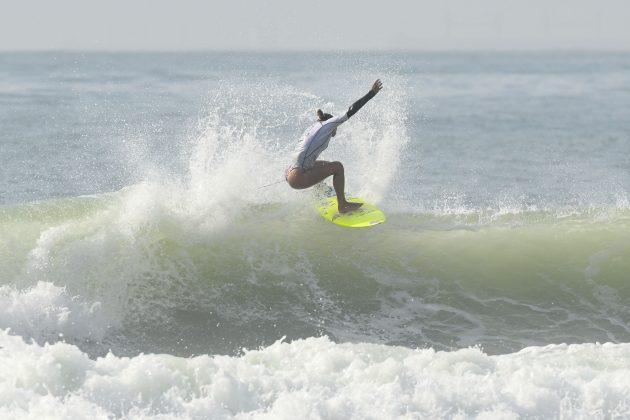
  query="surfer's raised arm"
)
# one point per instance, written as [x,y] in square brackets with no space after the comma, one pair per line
[355,107]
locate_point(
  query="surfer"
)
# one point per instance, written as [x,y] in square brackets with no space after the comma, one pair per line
[306,171]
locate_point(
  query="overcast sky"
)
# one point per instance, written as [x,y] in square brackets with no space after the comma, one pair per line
[322,25]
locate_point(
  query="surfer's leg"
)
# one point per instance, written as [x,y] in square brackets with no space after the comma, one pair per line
[339,183]
[320,171]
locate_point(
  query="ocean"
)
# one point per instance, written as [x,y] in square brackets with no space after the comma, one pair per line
[154,263]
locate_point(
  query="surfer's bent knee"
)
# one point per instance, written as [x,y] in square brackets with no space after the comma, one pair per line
[337,167]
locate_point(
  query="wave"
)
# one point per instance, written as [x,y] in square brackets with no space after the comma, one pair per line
[316,378]
[133,271]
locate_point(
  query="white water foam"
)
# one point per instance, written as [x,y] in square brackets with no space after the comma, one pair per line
[47,312]
[317,379]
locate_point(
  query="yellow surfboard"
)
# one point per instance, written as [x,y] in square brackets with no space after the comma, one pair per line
[365,216]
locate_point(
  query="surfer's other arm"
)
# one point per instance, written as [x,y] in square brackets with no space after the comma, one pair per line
[355,107]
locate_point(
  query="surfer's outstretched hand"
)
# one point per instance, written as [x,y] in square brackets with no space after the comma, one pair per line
[377,86]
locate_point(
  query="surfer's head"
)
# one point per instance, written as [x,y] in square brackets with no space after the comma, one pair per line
[323,116]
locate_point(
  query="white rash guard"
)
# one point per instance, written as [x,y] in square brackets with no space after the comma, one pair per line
[314,141]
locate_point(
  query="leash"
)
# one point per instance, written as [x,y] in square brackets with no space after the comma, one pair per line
[269,185]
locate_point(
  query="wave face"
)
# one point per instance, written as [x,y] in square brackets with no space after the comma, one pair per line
[130,263]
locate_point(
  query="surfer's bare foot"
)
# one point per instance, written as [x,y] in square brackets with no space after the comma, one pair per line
[348,207]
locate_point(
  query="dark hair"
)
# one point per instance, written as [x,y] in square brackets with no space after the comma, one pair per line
[322,116]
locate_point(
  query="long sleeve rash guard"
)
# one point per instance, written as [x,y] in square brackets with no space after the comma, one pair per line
[315,139]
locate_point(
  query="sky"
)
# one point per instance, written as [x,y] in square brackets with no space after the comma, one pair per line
[314,25]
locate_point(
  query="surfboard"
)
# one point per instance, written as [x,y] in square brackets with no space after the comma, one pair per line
[365,216]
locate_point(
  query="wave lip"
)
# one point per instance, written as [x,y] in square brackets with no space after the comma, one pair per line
[316,378]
